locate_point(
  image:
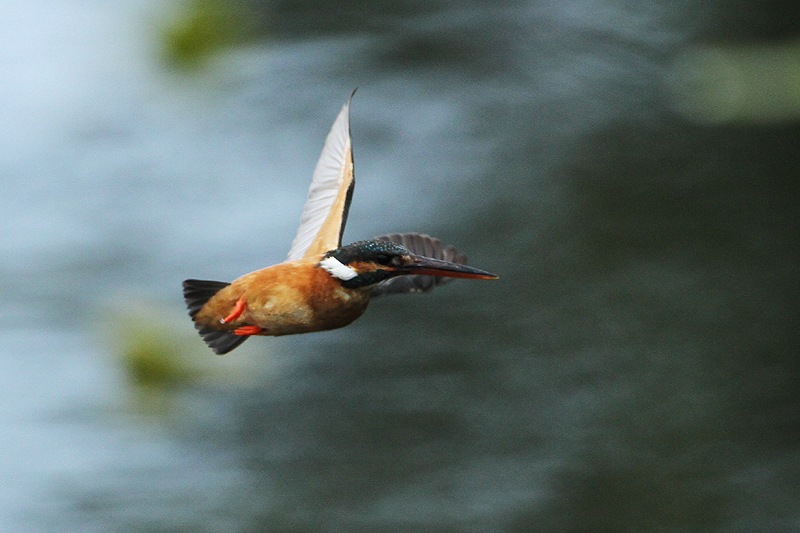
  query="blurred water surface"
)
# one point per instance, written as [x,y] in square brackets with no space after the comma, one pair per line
[635,369]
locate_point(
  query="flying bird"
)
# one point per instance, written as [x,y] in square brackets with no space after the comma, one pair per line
[322,285]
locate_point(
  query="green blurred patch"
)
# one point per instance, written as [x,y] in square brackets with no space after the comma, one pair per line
[151,356]
[754,83]
[204,27]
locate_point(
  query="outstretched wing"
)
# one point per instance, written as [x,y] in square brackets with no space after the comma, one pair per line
[419,244]
[325,213]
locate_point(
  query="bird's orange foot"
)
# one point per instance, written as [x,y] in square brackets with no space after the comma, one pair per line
[238,309]
[247,330]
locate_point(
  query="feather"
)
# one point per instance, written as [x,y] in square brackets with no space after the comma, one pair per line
[325,212]
[197,293]
[424,245]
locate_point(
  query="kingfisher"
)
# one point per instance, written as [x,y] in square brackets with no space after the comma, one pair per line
[322,285]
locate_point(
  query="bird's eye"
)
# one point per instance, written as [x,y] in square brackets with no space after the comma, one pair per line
[383,259]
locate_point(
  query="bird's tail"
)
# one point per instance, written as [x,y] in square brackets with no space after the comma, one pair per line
[197,292]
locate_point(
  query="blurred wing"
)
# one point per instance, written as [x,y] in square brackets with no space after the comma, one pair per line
[325,213]
[424,245]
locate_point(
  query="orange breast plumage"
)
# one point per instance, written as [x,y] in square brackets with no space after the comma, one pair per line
[292,297]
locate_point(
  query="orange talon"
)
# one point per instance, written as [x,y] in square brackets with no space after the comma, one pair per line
[238,309]
[247,330]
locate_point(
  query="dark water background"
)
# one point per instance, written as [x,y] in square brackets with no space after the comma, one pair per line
[629,169]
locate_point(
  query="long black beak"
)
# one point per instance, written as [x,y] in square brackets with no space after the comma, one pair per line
[426,266]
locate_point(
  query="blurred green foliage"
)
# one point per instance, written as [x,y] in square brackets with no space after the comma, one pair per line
[202,28]
[151,357]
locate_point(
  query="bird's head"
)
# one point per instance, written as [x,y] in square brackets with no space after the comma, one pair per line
[365,263]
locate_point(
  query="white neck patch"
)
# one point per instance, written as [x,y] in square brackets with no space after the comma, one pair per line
[337,269]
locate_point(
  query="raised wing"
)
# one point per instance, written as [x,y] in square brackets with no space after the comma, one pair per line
[325,213]
[424,245]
